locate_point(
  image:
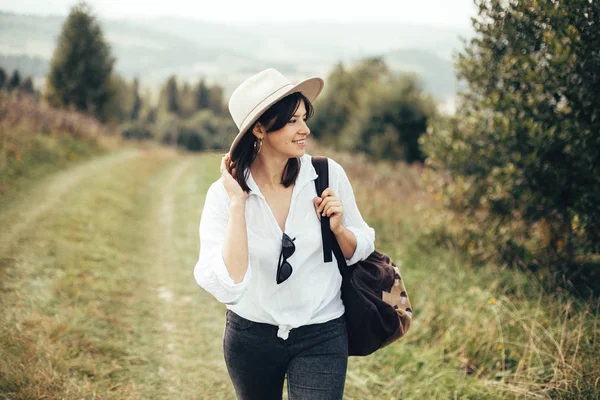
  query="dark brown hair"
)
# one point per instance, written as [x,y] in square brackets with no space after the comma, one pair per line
[275,118]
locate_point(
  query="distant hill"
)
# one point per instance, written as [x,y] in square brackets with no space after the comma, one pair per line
[226,54]
[35,66]
[139,50]
[437,74]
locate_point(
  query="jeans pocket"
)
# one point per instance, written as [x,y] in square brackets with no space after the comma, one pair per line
[237,323]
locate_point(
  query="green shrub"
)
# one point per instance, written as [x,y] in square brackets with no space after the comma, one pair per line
[522,151]
[372,110]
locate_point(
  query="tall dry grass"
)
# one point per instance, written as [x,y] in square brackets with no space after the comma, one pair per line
[36,139]
[514,330]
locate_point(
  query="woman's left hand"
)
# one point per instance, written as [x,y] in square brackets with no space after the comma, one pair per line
[330,206]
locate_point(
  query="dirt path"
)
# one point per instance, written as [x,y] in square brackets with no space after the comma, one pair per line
[166,291]
[191,321]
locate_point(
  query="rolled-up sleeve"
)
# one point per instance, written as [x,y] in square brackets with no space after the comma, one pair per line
[352,219]
[210,271]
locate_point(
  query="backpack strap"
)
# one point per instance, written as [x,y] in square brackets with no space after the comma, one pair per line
[329,241]
[321,183]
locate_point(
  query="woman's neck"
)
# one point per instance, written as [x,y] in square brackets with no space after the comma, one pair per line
[267,172]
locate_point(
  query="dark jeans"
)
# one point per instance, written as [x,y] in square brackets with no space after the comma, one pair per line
[315,358]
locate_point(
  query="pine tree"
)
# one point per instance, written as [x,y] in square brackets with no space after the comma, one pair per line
[81,66]
[169,96]
[187,101]
[15,80]
[2,78]
[172,95]
[215,99]
[202,95]
[27,85]
[137,101]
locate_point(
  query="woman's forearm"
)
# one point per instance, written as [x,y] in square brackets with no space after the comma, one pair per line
[235,248]
[346,240]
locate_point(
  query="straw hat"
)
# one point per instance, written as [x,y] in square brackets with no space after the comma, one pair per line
[259,92]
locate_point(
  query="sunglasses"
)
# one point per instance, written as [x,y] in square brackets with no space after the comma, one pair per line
[284,269]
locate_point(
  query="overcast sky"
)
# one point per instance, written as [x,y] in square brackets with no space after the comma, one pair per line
[432,12]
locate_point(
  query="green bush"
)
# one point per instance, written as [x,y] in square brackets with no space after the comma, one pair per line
[202,131]
[136,130]
[372,110]
[522,151]
[393,116]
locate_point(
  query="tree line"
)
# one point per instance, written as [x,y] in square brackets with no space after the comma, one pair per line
[15,82]
[81,77]
[358,111]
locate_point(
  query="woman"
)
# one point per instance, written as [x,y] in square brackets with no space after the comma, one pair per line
[261,250]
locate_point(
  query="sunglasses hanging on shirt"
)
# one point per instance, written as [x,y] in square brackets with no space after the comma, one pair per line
[284,269]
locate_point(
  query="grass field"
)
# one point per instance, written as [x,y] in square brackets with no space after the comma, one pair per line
[98,299]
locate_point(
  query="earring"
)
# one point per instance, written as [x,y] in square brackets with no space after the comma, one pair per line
[257,148]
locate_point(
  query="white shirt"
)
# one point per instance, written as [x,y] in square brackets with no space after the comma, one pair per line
[312,292]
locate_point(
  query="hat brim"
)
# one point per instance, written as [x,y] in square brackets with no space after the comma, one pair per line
[310,87]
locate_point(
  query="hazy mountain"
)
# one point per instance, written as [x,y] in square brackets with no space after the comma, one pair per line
[341,40]
[437,74]
[224,53]
[35,66]
[139,51]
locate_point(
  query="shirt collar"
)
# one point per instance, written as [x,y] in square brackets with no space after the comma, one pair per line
[307,174]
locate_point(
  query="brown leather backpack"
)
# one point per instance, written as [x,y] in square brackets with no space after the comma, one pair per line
[378,310]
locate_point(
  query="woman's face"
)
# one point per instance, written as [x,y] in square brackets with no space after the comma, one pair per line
[289,141]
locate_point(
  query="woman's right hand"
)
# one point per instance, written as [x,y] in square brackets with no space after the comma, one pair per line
[233,188]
